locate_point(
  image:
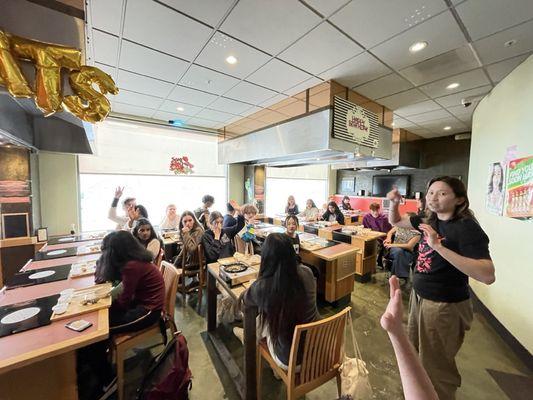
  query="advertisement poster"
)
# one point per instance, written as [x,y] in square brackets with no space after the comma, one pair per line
[519,188]
[495,188]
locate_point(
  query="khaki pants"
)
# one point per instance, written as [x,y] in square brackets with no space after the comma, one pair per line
[437,331]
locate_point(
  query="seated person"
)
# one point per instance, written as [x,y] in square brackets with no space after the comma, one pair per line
[345,205]
[311,211]
[202,213]
[291,226]
[171,220]
[218,240]
[291,208]
[129,202]
[144,232]
[401,249]
[245,240]
[285,295]
[377,222]
[191,233]
[333,213]
[230,217]
[421,207]
[134,214]
[138,304]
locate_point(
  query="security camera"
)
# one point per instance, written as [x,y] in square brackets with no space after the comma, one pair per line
[467,101]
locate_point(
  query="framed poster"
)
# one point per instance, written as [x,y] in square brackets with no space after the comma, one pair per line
[519,188]
[495,188]
[348,185]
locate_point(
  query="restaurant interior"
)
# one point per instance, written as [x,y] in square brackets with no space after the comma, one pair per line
[332,126]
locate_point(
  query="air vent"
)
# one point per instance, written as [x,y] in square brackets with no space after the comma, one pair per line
[340,129]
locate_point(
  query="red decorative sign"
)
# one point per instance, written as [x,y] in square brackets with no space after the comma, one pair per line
[181,165]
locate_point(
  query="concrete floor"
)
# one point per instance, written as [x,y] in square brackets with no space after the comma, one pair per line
[483,349]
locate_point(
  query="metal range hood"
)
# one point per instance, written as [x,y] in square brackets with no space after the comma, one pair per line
[316,138]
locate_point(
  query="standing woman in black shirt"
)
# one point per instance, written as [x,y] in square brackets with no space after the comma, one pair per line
[453,248]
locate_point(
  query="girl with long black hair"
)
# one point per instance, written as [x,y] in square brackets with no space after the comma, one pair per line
[285,294]
[333,213]
[145,233]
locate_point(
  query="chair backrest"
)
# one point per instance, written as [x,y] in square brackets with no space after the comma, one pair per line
[201,263]
[322,347]
[159,259]
[240,246]
[170,276]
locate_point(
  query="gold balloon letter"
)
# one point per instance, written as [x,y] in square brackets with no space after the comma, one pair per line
[10,75]
[49,59]
[89,104]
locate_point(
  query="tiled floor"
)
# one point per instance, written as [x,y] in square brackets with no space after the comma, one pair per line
[482,350]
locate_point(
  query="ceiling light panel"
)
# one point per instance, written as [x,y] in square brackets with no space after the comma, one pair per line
[269,25]
[395,52]
[467,80]
[215,55]
[179,107]
[161,28]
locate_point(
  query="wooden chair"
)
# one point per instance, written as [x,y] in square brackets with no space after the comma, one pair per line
[188,271]
[321,356]
[123,342]
[202,276]
[159,259]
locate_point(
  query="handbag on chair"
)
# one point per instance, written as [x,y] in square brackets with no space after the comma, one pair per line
[355,382]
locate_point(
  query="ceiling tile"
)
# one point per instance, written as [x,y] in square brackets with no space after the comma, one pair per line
[278,76]
[207,80]
[137,99]
[321,49]
[169,116]
[250,93]
[215,115]
[142,84]
[105,15]
[441,32]
[149,62]
[157,26]
[273,100]
[248,112]
[203,122]
[430,116]
[402,123]
[464,114]
[455,99]
[131,110]
[222,46]
[191,96]
[108,70]
[105,47]
[446,64]
[269,25]
[229,106]
[402,99]
[437,125]
[327,7]
[208,11]
[484,17]
[466,80]
[359,19]
[417,108]
[501,69]
[385,86]
[302,86]
[357,70]
[185,109]
[422,132]
[492,48]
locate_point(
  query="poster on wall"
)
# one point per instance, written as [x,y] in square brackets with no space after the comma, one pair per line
[495,188]
[519,188]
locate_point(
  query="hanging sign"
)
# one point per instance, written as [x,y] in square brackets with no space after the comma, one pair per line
[358,124]
[49,59]
[520,188]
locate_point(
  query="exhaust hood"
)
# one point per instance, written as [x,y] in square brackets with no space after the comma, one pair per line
[320,137]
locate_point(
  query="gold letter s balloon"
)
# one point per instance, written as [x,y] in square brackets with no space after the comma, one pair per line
[49,59]
[89,105]
[10,75]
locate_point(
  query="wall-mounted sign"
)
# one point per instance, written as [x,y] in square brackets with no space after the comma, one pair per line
[520,188]
[50,59]
[357,124]
[495,188]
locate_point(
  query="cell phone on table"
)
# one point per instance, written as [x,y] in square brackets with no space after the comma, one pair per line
[79,325]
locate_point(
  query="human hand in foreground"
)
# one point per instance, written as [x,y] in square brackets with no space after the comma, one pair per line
[394,195]
[118,192]
[391,320]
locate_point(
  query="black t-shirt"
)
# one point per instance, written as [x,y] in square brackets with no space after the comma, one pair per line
[295,243]
[435,278]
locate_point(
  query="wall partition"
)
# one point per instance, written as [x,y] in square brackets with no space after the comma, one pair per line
[138,157]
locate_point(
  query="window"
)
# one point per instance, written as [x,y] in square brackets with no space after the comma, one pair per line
[138,158]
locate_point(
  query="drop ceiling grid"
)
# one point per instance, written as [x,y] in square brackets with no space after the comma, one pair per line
[329,18]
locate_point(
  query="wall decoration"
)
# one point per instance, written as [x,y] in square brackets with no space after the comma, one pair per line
[49,59]
[519,187]
[259,188]
[348,184]
[495,188]
[181,166]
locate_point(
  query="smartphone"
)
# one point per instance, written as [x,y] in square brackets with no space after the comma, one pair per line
[79,325]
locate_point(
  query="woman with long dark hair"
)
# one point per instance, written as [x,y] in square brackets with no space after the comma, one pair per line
[453,248]
[333,213]
[191,233]
[346,203]
[145,233]
[285,294]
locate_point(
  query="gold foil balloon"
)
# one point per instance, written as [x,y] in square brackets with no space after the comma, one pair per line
[10,75]
[48,59]
[89,104]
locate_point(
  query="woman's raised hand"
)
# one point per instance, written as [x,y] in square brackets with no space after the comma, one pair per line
[394,195]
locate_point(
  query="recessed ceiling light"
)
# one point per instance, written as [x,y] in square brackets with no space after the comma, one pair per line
[447,128]
[231,60]
[180,109]
[392,124]
[416,47]
[454,85]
